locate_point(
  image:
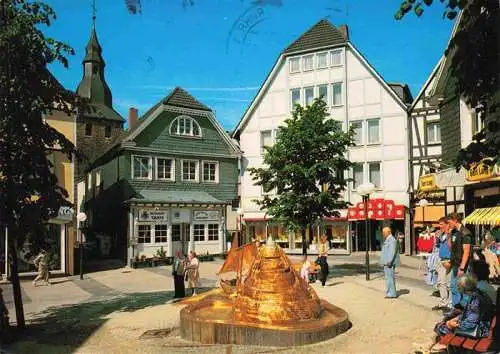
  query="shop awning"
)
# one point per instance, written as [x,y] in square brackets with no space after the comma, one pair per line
[484,216]
[378,209]
[175,197]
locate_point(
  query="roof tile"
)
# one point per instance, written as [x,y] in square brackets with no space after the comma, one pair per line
[322,34]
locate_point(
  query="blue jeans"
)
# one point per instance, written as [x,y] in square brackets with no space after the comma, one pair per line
[456,296]
[390,281]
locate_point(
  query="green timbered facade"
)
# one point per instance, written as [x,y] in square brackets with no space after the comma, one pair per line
[167,183]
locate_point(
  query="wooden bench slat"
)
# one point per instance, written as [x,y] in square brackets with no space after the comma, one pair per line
[470,343]
[483,345]
[446,339]
[457,341]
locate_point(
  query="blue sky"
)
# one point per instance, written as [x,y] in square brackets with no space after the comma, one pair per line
[191,46]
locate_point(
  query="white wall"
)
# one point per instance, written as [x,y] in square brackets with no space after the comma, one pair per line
[366,98]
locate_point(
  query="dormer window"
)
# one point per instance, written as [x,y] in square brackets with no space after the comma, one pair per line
[185,126]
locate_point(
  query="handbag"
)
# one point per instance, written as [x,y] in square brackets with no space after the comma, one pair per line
[471,333]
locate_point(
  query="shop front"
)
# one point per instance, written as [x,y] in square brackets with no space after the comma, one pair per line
[336,230]
[176,228]
[428,203]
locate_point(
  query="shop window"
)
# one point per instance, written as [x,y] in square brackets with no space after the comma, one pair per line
[199,232]
[176,233]
[144,234]
[213,232]
[161,233]
[142,167]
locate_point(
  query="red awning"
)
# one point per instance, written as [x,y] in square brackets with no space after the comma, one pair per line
[378,209]
[339,219]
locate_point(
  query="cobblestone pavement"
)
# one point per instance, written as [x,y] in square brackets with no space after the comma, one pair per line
[127,311]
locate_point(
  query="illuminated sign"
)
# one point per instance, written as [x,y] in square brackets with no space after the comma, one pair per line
[427,182]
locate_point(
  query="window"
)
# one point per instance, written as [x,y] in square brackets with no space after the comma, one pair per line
[295,95]
[322,60]
[213,232]
[433,132]
[323,93]
[294,65]
[107,131]
[308,62]
[266,139]
[357,175]
[141,167]
[337,94]
[185,126]
[176,232]
[199,232]
[374,173]
[477,122]
[89,181]
[161,233]
[336,57]
[373,131]
[98,178]
[358,132]
[88,129]
[165,169]
[210,172]
[309,95]
[143,233]
[190,170]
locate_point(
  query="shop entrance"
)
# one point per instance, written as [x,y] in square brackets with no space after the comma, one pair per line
[185,238]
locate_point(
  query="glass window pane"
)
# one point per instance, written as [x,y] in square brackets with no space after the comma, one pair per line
[308,62]
[373,131]
[213,232]
[143,233]
[161,233]
[357,170]
[374,171]
[337,57]
[322,60]
[358,132]
[199,232]
[174,129]
[294,65]
[266,139]
[295,93]
[337,93]
[196,129]
[323,93]
[309,95]
[176,232]
[433,132]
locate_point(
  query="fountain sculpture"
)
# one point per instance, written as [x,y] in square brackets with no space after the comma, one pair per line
[262,301]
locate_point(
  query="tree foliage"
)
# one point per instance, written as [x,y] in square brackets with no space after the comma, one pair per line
[29,192]
[475,65]
[309,154]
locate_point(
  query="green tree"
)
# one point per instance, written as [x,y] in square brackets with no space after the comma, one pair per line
[475,60]
[29,194]
[303,173]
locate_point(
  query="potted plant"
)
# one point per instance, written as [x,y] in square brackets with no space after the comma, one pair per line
[161,257]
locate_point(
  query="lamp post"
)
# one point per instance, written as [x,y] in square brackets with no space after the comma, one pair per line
[365,190]
[81,217]
[240,213]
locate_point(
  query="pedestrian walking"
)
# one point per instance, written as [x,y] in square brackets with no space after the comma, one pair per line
[41,262]
[323,259]
[444,267]
[461,250]
[192,272]
[389,260]
[178,270]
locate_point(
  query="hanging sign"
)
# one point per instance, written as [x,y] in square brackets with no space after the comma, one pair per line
[206,215]
[480,171]
[427,182]
[153,215]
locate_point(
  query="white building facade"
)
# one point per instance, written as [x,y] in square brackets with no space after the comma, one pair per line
[324,63]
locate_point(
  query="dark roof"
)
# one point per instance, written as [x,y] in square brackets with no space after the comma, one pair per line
[93,49]
[181,98]
[403,92]
[322,34]
[101,111]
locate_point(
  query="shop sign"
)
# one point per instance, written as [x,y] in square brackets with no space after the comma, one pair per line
[206,215]
[435,196]
[64,214]
[153,215]
[427,182]
[481,171]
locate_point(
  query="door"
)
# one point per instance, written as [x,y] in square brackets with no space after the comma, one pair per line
[185,238]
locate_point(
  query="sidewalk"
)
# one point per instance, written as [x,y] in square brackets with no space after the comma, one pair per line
[115,311]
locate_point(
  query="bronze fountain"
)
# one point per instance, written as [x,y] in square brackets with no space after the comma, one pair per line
[261,301]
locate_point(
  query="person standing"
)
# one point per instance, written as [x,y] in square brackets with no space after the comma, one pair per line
[192,272]
[461,246]
[390,259]
[444,267]
[42,264]
[178,274]
[323,259]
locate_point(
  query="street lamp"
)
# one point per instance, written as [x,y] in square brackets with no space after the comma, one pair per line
[240,213]
[365,190]
[81,217]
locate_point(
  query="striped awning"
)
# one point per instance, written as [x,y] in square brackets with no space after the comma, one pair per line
[484,216]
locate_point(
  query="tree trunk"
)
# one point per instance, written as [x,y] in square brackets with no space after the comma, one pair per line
[304,242]
[16,285]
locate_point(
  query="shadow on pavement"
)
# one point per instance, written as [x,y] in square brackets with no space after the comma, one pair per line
[352,269]
[64,329]
[403,292]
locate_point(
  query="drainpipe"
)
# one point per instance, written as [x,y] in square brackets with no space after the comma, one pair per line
[410,234]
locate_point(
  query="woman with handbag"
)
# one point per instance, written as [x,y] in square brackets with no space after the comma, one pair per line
[323,263]
[178,274]
[192,272]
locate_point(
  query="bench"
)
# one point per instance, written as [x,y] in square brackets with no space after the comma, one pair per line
[476,345]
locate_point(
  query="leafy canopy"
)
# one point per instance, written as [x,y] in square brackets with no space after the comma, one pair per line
[29,191]
[475,65]
[302,177]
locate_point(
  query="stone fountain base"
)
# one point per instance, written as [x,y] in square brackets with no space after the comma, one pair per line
[210,321]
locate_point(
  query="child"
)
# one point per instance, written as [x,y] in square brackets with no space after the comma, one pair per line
[304,271]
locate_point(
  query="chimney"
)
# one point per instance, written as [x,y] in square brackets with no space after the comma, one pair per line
[345,31]
[133,114]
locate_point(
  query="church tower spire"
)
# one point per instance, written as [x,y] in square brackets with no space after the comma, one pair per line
[93,85]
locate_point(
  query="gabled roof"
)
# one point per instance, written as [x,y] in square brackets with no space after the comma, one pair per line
[403,91]
[322,34]
[427,83]
[181,98]
[101,111]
